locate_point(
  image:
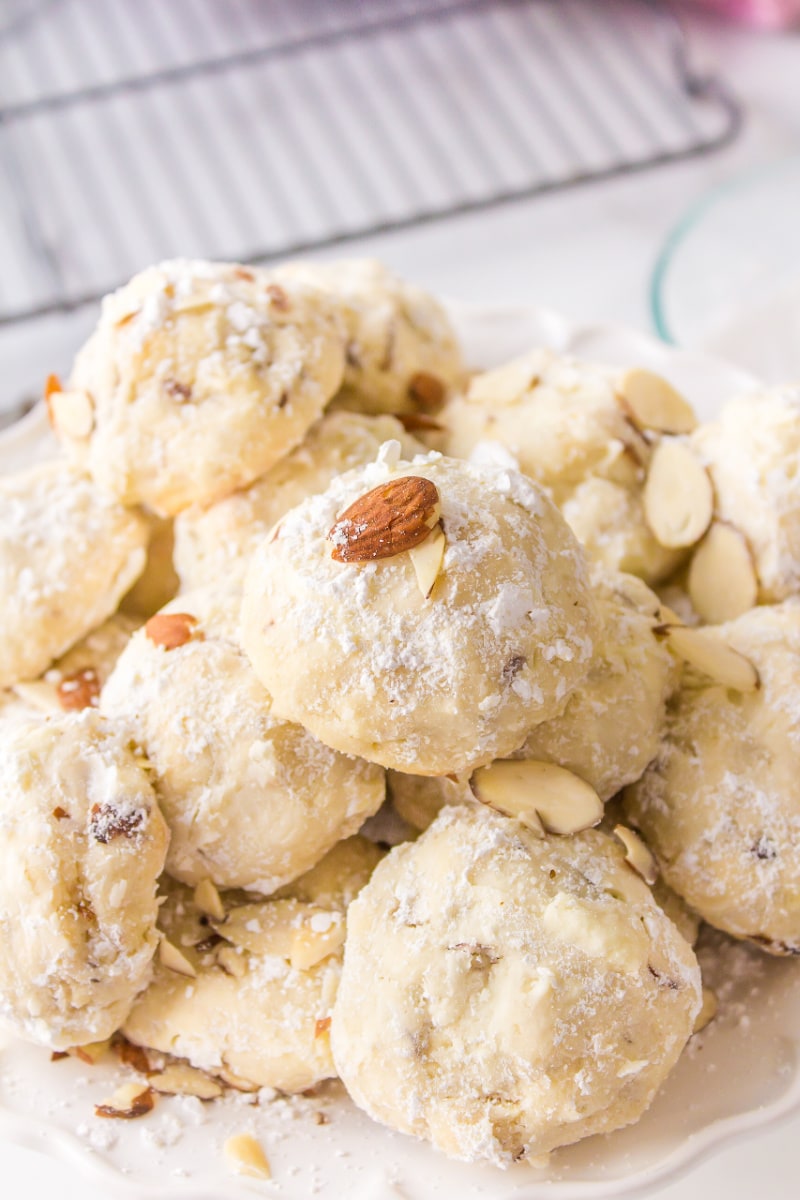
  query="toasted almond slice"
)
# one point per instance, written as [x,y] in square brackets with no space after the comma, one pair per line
[713,657]
[389,519]
[179,1079]
[655,404]
[427,559]
[237,1082]
[128,1102]
[231,961]
[426,389]
[79,690]
[39,694]
[722,580]
[262,928]
[637,854]
[320,935]
[246,1156]
[71,413]
[92,1052]
[708,1010]
[544,796]
[170,630]
[130,1054]
[207,899]
[507,384]
[678,497]
[172,958]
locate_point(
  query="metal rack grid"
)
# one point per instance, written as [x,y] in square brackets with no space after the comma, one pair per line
[255,129]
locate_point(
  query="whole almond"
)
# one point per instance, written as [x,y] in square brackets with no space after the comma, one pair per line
[392,518]
[79,690]
[170,630]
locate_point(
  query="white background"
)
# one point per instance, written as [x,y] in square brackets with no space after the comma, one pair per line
[590,254]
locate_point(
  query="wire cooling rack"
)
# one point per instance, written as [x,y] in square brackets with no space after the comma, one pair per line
[253,129]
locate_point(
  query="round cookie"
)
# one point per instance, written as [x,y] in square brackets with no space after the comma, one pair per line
[610,729]
[215,543]
[720,806]
[251,800]
[198,377]
[402,353]
[568,428]
[256,1009]
[524,991]
[83,844]
[426,684]
[752,453]
[67,555]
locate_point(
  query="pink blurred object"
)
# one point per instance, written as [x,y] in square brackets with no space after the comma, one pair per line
[768,14]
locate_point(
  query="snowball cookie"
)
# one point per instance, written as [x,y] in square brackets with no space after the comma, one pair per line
[215,543]
[610,729]
[251,800]
[752,453]
[263,975]
[720,805]
[198,377]
[82,846]
[429,685]
[402,353]
[524,991]
[67,555]
[569,429]
[76,680]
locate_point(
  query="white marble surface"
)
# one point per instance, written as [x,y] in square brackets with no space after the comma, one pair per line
[589,253]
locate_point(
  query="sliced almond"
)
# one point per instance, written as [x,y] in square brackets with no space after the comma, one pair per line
[678,497]
[170,630]
[39,694]
[392,518]
[172,958]
[71,413]
[713,657]
[655,404]
[179,1079]
[92,1052]
[637,854]
[262,928]
[708,1010]
[79,690]
[545,797]
[320,935]
[507,384]
[130,1054]
[237,1082]
[245,1155]
[231,960]
[128,1102]
[427,559]
[207,899]
[722,581]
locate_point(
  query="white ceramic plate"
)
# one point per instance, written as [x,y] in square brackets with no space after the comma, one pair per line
[741,1073]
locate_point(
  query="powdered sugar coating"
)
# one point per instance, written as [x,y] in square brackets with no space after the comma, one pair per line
[251,800]
[202,375]
[567,430]
[611,727]
[216,542]
[720,805]
[524,992]
[430,685]
[395,331]
[67,555]
[83,844]
[752,452]
[267,1023]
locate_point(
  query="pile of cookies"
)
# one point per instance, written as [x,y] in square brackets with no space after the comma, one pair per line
[296,565]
